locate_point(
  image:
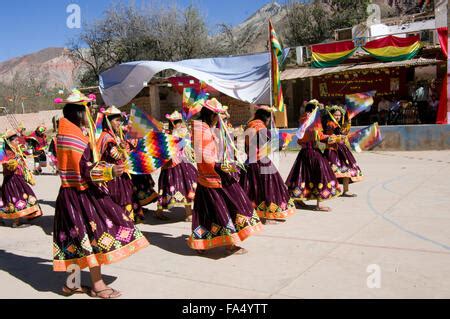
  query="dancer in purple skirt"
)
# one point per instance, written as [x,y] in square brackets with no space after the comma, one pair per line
[261,180]
[143,184]
[90,229]
[342,161]
[223,215]
[311,177]
[37,140]
[17,200]
[178,179]
[113,150]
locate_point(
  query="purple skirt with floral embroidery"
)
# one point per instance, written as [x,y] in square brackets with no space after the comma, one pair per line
[266,189]
[177,185]
[143,187]
[18,199]
[222,216]
[311,176]
[122,193]
[344,163]
[90,230]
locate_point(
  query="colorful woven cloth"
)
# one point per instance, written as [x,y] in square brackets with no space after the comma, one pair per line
[141,123]
[2,150]
[359,102]
[192,102]
[313,120]
[366,138]
[152,152]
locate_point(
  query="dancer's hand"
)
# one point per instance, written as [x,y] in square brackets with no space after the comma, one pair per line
[118,170]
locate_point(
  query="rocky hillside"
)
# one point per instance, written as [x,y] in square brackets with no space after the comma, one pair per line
[51,64]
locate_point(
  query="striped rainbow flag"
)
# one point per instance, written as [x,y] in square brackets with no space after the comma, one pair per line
[331,54]
[276,52]
[392,48]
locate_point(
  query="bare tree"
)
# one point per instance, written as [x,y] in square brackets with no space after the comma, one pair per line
[126,33]
[235,42]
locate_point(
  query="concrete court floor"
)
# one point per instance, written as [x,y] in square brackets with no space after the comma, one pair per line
[399,225]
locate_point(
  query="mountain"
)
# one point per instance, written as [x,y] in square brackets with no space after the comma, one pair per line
[51,64]
[253,32]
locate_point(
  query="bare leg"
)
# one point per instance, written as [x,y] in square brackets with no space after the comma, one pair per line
[235,250]
[322,208]
[99,288]
[346,192]
[188,215]
[346,180]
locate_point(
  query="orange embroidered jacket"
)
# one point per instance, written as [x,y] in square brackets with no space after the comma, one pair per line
[75,170]
[312,134]
[205,150]
[261,151]
[12,164]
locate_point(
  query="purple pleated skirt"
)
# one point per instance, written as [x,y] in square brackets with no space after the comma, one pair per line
[344,163]
[311,177]
[222,216]
[177,186]
[144,189]
[266,189]
[90,229]
[122,193]
[18,199]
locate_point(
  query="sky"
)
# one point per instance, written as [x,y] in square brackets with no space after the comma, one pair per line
[27,26]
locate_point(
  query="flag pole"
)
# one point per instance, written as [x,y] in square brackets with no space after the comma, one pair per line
[271,66]
[273,127]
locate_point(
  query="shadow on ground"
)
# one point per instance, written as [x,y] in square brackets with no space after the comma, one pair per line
[46,223]
[38,273]
[175,215]
[178,245]
[50,203]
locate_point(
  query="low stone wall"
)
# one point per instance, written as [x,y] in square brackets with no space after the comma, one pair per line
[31,120]
[403,137]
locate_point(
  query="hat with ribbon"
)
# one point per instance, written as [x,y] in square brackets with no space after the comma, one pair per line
[214,105]
[175,116]
[76,97]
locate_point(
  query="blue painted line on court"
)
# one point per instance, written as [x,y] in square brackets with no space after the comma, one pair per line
[396,224]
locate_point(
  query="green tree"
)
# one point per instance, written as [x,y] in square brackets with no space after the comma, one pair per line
[315,22]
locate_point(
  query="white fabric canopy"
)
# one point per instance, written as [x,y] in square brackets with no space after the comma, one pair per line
[245,77]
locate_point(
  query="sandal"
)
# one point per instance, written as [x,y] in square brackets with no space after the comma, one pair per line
[235,250]
[349,195]
[99,294]
[67,292]
[322,209]
[273,221]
